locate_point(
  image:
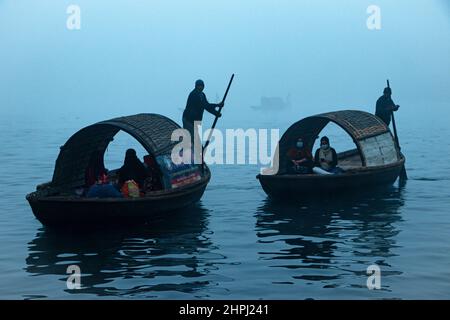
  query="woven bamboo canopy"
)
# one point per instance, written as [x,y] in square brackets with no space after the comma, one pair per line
[372,137]
[152,131]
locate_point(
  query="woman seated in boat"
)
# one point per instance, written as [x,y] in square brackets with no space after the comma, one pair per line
[95,169]
[153,180]
[300,160]
[132,169]
[325,158]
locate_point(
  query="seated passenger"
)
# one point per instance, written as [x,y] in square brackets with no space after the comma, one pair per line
[103,189]
[132,169]
[325,158]
[153,179]
[95,169]
[300,158]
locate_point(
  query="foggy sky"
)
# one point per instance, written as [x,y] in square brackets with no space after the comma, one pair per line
[144,56]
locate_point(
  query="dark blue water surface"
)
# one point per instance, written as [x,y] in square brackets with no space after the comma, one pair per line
[235,243]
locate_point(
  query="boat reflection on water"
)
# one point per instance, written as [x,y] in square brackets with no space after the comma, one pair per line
[171,255]
[329,241]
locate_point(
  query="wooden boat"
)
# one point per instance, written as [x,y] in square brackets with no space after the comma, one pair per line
[56,202]
[376,160]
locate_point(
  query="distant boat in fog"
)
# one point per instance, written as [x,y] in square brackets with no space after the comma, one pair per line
[273,104]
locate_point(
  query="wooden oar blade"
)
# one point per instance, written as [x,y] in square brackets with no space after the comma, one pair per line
[403,174]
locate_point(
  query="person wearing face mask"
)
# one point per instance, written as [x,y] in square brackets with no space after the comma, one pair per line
[326,157]
[300,159]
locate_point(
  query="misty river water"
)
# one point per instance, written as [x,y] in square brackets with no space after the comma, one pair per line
[133,56]
[236,243]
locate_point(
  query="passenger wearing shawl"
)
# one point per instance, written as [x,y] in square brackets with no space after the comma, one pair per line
[325,158]
[132,169]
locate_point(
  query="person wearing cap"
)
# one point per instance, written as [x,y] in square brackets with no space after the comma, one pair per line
[385,106]
[325,157]
[195,106]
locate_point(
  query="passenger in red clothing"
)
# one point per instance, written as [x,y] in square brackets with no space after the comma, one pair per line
[96,168]
[300,159]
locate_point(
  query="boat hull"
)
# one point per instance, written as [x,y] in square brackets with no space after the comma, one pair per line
[299,186]
[92,211]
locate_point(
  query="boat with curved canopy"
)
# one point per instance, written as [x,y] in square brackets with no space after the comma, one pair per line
[376,160]
[57,202]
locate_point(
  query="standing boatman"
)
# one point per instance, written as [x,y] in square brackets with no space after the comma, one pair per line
[195,106]
[385,106]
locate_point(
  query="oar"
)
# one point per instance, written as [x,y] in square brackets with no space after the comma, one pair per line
[217,118]
[403,174]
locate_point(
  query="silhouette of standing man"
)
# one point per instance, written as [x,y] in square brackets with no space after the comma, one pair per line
[385,106]
[195,106]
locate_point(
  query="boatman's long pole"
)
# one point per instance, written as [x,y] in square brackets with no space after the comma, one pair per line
[403,174]
[217,118]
